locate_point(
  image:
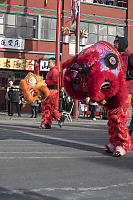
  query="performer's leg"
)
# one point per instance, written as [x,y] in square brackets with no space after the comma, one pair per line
[18,109]
[32,111]
[36,107]
[118,131]
[50,109]
[9,108]
[12,108]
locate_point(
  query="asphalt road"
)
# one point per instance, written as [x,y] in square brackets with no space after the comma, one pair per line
[67,163]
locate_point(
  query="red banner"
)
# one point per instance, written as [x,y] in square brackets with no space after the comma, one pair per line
[75,9]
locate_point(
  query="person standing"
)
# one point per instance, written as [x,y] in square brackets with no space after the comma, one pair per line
[50,108]
[93,109]
[10,85]
[121,44]
[14,98]
[34,109]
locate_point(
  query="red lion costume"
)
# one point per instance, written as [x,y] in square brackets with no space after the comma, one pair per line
[97,72]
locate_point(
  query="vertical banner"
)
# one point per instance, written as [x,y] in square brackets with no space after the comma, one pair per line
[75,9]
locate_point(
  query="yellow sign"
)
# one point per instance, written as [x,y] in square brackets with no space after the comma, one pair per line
[16,64]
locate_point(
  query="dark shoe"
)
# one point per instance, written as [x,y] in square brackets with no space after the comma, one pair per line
[35,117]
[31,116]
[47,126]
[60,123]
[116,154]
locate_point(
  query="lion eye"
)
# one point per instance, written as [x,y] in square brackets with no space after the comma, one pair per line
[31,81]
[111,61]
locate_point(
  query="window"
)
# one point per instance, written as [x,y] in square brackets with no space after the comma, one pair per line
[15,25]
[1,29]
[48,28]
[87,1]
[1,24]
[97,32]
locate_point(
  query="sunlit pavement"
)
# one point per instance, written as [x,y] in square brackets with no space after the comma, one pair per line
[67,163]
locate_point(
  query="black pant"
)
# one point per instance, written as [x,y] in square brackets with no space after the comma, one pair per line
[34,111]
[11,108]
[93,109]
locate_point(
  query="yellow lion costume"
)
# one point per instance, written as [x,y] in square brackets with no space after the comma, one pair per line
[34,88]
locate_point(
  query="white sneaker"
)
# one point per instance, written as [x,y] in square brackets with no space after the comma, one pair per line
[94,119]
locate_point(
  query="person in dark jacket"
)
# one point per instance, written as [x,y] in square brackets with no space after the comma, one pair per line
[10,85]
[14,98]
[121,44]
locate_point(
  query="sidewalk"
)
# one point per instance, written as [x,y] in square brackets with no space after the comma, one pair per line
[26,116]
[4,116]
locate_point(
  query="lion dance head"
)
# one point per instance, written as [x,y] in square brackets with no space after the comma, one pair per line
[96,73]
[34,88]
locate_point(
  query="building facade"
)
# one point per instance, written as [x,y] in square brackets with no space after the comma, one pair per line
[28,33]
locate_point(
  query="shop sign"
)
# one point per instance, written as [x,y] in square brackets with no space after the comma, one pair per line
[17,64]
[44,65]
[12,43]
[49,56]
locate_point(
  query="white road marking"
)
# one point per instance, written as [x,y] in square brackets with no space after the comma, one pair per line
[59,139]
[43,129]
[51,157]
[72,189]
[82,189]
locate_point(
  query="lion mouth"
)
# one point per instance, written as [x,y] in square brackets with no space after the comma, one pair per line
[32,92]
[106,85]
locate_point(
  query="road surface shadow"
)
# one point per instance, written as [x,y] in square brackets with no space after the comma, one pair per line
[22,194]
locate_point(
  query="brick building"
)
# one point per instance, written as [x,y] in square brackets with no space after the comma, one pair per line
[28,33]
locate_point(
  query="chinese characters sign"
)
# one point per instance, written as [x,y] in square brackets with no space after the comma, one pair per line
[11,43]
[44,65]
[17,64]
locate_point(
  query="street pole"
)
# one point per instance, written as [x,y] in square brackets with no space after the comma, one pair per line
[75,111]
[58,35]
